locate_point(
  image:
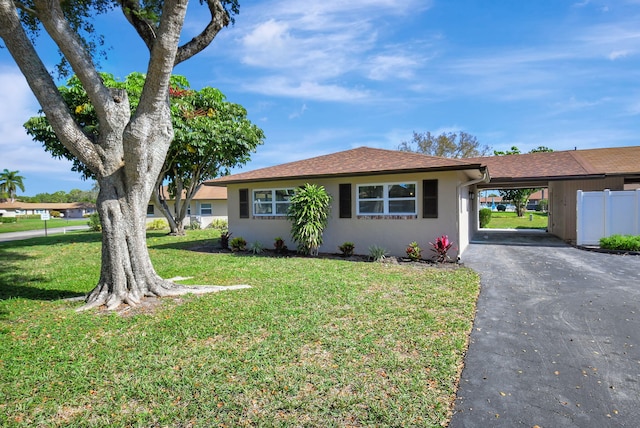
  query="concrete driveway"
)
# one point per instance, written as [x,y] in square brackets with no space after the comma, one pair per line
[556,341]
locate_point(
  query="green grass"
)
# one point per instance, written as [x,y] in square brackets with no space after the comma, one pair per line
[36,224]
[315,342]
[509,220]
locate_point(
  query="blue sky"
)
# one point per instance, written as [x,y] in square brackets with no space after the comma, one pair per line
[321,76]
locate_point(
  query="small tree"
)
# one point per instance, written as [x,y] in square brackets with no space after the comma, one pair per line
[10,181]
[447,145]
[309,214]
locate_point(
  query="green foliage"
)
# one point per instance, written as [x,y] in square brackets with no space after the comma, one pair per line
[8,220]
[256,247]
[347,249]
[414,252]
[485,217]
[448,145]
[621,242]
[543,205]
[10,182]
[194,225]
[54,213]
[211,134]
[377,253]
[157,224]
[309,214]
[94,222]
[219,224]
[238,244]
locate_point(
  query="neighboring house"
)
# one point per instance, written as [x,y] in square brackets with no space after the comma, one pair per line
[68,210]
[208,203]
[380,197]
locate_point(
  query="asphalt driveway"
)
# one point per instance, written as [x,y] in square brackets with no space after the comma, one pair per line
[556,341]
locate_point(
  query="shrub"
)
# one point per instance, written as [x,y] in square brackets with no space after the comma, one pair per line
[194,225]
[94,222]
[238,244]
[441,247]
[157,224]
[279,246]
[485,217]
[224,239]
[543,205]
[377,254]
[414,252]
[347,249]
[55,214]
[309,214]
[219,224]
[256,247]
[621,242]
[8,220]
[501,207]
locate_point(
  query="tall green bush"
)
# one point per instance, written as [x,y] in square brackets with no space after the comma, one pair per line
[485,217]
[309,214]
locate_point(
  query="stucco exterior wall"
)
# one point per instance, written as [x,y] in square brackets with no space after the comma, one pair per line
[562,203]
[218,211]
[394,234]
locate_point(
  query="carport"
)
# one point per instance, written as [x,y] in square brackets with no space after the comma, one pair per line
[563,173]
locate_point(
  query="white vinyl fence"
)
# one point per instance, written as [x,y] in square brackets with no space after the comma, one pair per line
[606,213]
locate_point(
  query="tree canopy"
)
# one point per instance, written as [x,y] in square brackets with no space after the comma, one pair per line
[211,136]
[10,182]
[448,145]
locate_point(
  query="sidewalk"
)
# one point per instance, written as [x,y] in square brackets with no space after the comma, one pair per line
[17,236]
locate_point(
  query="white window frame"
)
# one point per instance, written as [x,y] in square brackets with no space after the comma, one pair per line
[386,199]
[210,209]
[273,201]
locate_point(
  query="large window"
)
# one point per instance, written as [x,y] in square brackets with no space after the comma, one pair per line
[387,199]
[272,201]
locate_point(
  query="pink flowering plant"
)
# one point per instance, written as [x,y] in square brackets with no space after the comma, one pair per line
[441,248]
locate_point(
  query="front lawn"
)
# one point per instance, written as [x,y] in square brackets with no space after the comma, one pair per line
[510,220]
[315,342]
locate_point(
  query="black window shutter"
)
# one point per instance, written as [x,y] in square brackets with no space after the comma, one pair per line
[345,200]
[429,198]
[244,203]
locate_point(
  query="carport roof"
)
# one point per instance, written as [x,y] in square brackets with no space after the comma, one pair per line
[545,166]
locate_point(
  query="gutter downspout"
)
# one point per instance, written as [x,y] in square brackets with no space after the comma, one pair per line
[484,179]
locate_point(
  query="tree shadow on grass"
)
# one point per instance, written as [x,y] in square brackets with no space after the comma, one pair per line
[16,284]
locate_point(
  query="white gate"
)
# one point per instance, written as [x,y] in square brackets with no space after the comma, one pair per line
[606,213]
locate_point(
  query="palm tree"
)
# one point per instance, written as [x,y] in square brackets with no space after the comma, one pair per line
[10,181]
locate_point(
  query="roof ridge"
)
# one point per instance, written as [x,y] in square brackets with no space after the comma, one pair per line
[584,163]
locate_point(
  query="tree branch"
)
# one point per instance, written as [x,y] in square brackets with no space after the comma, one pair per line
[44,88]
[219,19]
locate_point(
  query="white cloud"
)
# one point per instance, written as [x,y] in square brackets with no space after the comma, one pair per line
[281,86]
[323,44]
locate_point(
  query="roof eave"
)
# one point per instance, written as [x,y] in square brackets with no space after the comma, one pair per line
[479,167]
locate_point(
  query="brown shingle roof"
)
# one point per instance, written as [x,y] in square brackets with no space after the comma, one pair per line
[360,161]
[563,164]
